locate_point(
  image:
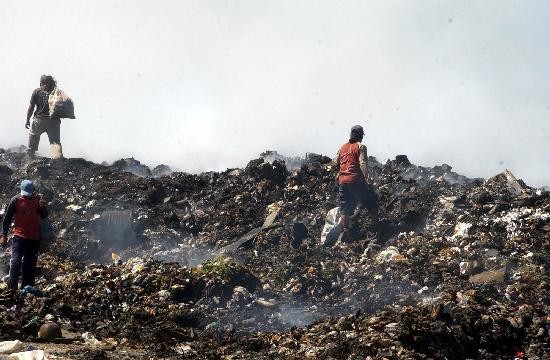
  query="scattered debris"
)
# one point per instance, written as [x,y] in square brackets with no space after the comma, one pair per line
[228,264]
[488,276]
[49,331]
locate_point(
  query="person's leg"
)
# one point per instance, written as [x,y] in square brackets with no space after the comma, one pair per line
[15,262]
[34,140]
[37,128]
[344,220]
[342,202]
[30,257]
[347,205]
[334,232]
[358,194]
[54,136]
[369,200]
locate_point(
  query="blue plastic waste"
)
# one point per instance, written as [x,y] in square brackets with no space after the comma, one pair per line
[32,290]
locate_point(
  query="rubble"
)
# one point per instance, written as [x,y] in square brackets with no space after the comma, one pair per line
[49,331]
[231,264]
[488,276]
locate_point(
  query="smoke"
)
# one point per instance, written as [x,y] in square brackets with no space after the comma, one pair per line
[187,255]
[206,85]
[297,315]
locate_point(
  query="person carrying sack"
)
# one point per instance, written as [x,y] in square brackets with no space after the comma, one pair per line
[25,210]
[45,120]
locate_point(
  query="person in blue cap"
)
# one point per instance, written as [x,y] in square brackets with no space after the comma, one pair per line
[25,211]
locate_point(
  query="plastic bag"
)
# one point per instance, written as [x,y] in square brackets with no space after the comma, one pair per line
[61,105]
[56,151]
[333,216]
[33,291]
[46,230]
[8,347]
[29,355]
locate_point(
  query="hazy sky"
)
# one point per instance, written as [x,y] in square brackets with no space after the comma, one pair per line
[206,85]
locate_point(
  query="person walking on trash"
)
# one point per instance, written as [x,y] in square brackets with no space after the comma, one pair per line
[351,163]
[27,208]
[42,122]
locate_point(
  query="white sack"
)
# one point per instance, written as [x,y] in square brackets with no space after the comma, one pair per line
[333,217]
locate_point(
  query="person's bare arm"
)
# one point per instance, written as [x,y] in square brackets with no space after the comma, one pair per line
[363,161]
[6,222]
[336,163]
[29,112]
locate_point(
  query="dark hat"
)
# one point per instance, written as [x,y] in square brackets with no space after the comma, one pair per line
[47,80]
[356,131]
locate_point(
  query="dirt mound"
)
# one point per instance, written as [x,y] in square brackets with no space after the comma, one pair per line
[229,264]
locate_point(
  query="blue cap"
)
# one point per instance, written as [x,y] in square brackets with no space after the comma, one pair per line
[27,187]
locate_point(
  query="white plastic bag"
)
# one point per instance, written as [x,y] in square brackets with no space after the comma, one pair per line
[333,217]
[90,339]
[8,347]
[60,104]
[56,151]
[29,355]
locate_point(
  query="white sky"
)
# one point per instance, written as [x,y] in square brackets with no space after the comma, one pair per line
[206,85]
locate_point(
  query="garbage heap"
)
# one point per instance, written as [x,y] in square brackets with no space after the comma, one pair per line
[230,265]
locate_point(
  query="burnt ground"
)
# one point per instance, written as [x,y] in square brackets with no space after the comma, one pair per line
[156,264]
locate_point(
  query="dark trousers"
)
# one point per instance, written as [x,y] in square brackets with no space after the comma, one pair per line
[24,255]
[360,192]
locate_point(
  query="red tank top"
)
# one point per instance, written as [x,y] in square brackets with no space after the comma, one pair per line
[27,219]
[350,171]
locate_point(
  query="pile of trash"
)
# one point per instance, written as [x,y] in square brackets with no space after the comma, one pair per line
[231,264]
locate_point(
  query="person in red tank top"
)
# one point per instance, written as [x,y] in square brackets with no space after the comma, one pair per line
[25,210]
[351,162]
